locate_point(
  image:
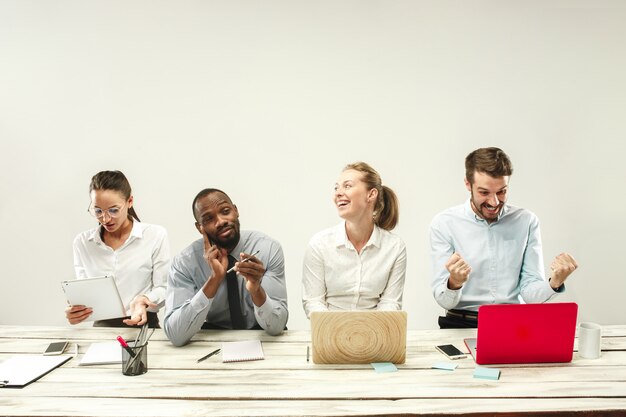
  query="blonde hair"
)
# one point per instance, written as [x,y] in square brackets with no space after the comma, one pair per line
[386,210]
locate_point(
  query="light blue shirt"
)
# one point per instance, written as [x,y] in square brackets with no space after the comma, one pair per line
[187,308]
[505,256]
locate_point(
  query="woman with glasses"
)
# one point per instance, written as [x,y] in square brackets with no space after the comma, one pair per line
[136,254]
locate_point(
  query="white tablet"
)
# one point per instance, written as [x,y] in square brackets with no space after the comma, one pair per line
[100,294]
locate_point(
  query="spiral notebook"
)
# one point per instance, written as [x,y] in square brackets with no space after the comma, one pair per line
[247,350]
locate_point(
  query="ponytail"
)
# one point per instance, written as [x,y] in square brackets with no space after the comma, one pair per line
[387,211]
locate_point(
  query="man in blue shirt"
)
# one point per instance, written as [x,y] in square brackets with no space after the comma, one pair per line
[488,252]
[227,279]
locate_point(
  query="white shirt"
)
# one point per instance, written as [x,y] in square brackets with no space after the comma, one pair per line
[336,277]
[505,256]
[139,266]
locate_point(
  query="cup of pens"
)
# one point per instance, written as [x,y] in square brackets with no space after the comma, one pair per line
[135,359]
[135,354]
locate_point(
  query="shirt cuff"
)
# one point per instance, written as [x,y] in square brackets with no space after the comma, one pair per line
[452,296]
[265,310]
[200,301]
[559,290]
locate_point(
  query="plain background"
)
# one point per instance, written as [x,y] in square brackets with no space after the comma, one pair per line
[269,100]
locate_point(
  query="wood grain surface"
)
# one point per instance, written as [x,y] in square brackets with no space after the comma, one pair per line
[344,337]
[285,384]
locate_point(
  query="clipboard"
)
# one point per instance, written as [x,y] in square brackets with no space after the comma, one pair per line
[19,371]
[101,294]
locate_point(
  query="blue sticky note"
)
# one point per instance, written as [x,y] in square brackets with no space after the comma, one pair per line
[487,373]
[381,367]
[446,366]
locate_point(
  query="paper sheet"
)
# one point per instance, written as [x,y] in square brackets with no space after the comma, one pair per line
[102,353]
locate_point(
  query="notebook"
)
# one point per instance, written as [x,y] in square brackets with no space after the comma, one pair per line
[19,371]
[100,294]
[102,353]
[247,350]
[351,337]
[524,333]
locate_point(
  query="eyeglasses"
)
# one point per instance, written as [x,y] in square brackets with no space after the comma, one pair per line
[98,213]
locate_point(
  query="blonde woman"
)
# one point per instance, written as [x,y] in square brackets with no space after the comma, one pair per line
[358,264]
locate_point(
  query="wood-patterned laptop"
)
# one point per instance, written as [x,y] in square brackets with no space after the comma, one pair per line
[349,337]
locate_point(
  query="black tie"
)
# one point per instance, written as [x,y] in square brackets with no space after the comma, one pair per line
[234,302]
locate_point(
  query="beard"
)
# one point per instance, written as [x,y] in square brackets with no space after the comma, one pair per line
[230,242]
[482,211]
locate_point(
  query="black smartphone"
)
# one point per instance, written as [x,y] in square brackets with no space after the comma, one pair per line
[55,348]
[451,351]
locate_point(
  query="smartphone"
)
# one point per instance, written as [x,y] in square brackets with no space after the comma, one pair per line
[451,351]
[55,348]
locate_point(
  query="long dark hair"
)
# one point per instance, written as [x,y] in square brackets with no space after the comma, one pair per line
[116,181]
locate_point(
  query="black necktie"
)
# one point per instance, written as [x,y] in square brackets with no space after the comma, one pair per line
[234,301]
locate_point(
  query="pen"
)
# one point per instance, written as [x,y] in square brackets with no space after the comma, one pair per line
[245,260]
[307,353]
[125,346]
[215,352]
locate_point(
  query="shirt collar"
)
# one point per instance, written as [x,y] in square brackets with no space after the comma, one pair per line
[469,212]
[341,237]
[136,231]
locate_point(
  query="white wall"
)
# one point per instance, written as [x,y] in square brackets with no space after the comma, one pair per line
[269,100]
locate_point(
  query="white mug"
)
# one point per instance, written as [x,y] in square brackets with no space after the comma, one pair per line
[589,338]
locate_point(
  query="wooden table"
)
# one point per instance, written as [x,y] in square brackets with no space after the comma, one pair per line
[286,384]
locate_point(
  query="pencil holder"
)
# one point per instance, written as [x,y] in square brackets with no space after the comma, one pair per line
[137,364]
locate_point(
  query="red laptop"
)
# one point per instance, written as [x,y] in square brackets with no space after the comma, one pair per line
[524,333]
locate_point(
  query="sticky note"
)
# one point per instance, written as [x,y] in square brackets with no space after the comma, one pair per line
[446,366]
[487,373]
[381,367]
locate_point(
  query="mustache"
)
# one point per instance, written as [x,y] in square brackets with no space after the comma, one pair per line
[226,226]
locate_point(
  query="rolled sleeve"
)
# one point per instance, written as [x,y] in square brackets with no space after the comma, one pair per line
[313,281]
[160,271]
[186,305]
[272,316]
[441,249]
[534,288]
[391,298]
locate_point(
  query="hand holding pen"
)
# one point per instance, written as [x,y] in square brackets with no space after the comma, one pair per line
[246,259]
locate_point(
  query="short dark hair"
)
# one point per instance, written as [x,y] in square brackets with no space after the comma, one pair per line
[492,161]
[202,194]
